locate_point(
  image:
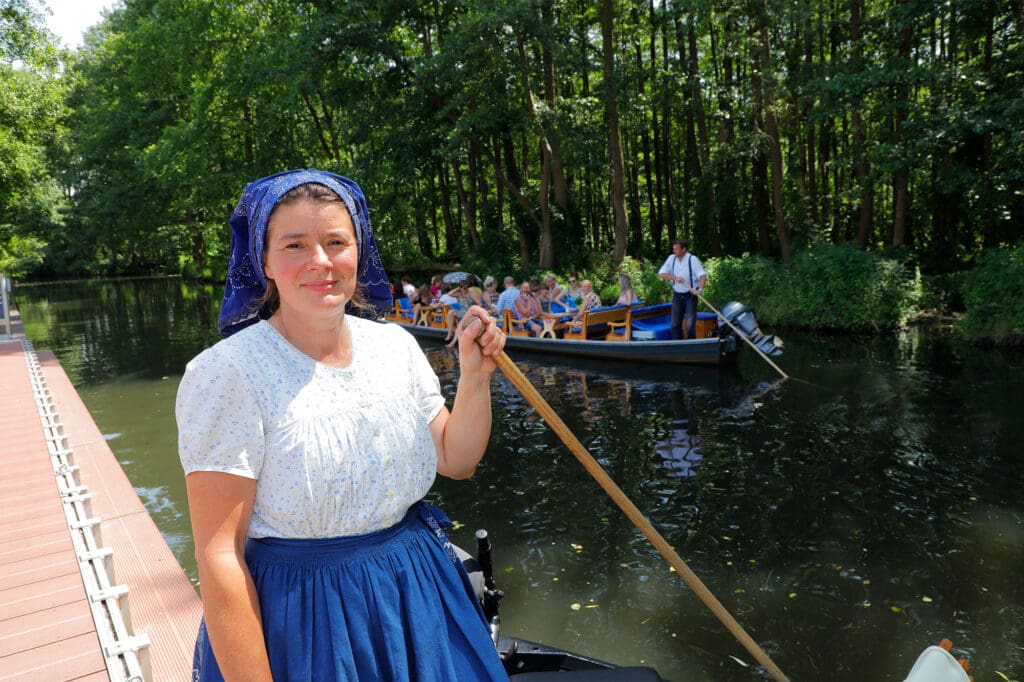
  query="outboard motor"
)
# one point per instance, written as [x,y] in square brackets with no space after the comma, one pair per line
[742,317]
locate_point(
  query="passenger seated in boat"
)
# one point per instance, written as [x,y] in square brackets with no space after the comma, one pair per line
[626,294]
[527,308]
[589,301]
[490,295]
[552,293]
[574,291]
[468,294]
[506,300]
[422,305]
[435,286]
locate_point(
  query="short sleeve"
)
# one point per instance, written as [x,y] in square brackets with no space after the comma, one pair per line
[220,425]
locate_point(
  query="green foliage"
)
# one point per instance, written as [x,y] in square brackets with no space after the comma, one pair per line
[20,255]
[648,286]
[994,295]
[830,287]
[128,156]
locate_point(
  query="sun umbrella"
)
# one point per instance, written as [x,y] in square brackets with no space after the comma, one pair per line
[455,277]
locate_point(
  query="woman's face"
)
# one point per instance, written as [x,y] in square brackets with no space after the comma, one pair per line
[312,256]
[524,290]
[587,286]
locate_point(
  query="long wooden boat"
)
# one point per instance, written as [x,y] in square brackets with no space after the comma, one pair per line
[639,338]
[709,351]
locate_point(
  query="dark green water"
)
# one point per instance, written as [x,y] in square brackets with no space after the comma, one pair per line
[846,518]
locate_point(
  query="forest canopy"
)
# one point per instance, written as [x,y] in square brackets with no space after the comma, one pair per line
[522,134]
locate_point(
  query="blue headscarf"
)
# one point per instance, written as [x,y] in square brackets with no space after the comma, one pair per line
[246,281]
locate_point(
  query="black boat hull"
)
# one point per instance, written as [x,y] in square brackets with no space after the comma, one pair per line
[713,350]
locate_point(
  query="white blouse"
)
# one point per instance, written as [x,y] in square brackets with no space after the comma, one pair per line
[335,452]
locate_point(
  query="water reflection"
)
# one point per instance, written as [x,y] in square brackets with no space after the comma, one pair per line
[846,518]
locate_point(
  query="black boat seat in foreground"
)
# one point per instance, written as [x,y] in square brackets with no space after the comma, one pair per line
[607,675]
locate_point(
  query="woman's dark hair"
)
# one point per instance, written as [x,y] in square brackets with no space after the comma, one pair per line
[317,193]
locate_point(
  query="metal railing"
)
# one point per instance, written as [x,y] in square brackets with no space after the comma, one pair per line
[126,655]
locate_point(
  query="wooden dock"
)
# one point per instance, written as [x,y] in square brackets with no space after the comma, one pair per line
[52,602]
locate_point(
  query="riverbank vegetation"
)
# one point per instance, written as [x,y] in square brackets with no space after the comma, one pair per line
[789,141]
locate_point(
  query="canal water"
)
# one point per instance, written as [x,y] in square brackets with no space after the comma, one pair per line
[847,517]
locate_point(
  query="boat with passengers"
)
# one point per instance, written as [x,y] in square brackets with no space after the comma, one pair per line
[628,333]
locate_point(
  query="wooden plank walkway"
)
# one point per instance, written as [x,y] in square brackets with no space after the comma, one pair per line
[46,623]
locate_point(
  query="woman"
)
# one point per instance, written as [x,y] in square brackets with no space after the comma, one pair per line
[626,294]
[553,293]
[527,309]
[422,305]
[468,295]
[435,286]
[317,558]
[588,301]
[490,296]
[574,290]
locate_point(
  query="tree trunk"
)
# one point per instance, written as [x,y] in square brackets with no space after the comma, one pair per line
[198,242]
[900,180]
[559,185]
[546,254]
[764,102]
[466,203]
[451,232]
[617,195]
[866,205]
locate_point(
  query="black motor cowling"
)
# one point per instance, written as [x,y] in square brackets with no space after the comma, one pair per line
[742,317]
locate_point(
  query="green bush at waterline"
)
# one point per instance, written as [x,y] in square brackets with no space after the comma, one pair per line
[835,287]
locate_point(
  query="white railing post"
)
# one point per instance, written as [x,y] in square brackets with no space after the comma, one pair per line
[4,287]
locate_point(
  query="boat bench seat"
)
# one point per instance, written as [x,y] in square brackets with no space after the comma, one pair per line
[594,324]
[656,325]
[402,311]
[626,329]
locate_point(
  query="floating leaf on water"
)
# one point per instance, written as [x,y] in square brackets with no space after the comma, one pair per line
[577,548]
[838,567]
[592,606]
[738,590]
[865,582]
[726,537]
[895,609]
[751,561]
[672,569]
[1003,676]
[555,579]
[509,569]
[728,563]
[926,600]
[457,525]
[792,595]
[624,565]
[867,605]
[575,607]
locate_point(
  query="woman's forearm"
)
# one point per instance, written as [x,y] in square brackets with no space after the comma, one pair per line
[233,621]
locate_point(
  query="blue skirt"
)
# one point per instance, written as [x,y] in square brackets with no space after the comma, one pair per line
[390,605]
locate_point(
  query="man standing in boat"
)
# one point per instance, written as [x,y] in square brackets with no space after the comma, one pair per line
[688,278]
